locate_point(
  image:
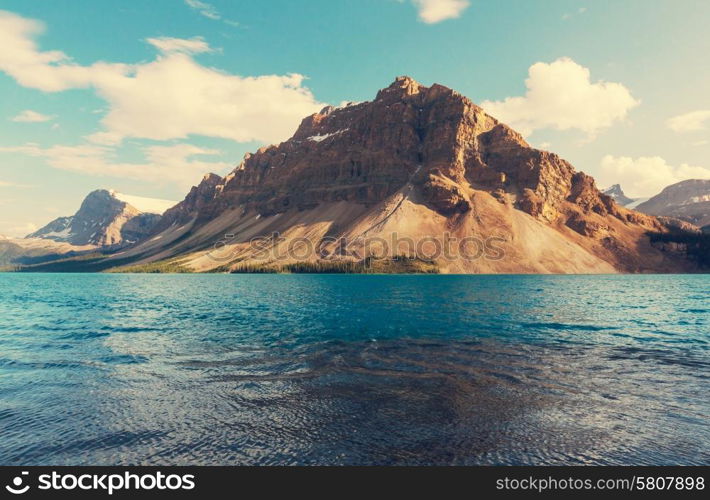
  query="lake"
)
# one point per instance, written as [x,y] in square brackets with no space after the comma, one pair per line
[111,369]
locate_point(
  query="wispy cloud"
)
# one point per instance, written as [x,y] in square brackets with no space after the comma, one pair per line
[178,164]
[209,11]
[578,12]
[690,122]
[204,8]
[29,116]
[6,184]
[167,45]
[560,95]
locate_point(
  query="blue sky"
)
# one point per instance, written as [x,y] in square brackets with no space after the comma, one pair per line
[144,97]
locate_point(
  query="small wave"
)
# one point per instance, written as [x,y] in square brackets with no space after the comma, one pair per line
[568,326]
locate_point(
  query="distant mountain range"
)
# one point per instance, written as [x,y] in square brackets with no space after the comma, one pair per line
[415,164]
[687,200]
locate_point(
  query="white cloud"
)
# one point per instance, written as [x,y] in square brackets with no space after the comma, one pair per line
[179,164]
[560,95]
[167,45]
[434,11]
[29,116]
[645,176]
[204,9]
[690,122]
[175,96]
[50,71]
[169,98]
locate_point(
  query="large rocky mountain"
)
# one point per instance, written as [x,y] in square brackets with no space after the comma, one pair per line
[416,163]
[105,219]
[687,200]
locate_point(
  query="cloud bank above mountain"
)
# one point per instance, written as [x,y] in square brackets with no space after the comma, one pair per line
[645,176]
[171,97]
[561,95]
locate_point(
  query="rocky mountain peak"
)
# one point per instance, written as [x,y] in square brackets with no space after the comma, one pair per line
[432,138]
[618,194]
[102,220]
[402,86]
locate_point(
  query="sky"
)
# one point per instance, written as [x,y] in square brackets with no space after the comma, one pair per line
[146,97]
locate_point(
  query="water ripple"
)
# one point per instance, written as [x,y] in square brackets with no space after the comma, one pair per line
[135,369]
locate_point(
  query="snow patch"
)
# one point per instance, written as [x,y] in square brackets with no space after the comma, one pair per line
[697,199]
[347,104]
[145,205]
[60,235]
[320,138]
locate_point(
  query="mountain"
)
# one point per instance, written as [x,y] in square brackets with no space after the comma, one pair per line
[618,195]
[415,165]
[687,200]
[31,251]
[106,219]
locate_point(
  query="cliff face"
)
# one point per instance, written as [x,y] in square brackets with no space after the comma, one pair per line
[419,161]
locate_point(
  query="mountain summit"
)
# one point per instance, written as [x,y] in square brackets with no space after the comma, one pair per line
[618,194]
[105,219]
[417,162]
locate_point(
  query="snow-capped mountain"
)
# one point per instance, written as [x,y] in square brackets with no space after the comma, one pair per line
[618,194]
[106,218]
[687,200]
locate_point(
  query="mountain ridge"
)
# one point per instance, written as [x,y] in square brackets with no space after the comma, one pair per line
[417,161]
[688,200]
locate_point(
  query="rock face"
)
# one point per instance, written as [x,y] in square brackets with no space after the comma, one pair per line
[433,137]
[196,200]
[103,220]
[618,195]
[416,161]
[687,200]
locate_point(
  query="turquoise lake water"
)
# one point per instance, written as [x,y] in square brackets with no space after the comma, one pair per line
[354,369]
